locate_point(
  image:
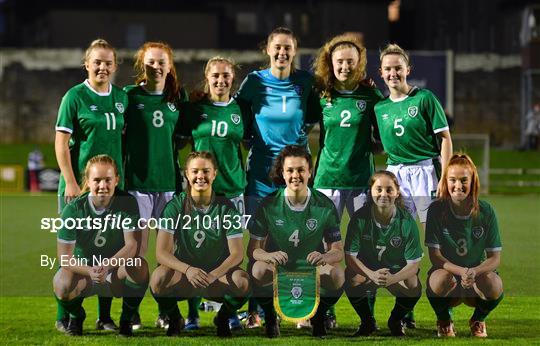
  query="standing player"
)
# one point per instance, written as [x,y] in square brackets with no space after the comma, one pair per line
[81,250]
[275,108]
[411,123]
[464,244]
[200,248]
[291,225]
[151,121]
[347,121]
[215,123]
[383,250]
[90,122]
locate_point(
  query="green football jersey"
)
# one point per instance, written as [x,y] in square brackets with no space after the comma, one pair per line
[218,127]
[98,233]
[462,240]
[201,237]
[378,246]
[296,231]
[95,122]
[345,158]
[408,127]
[151,122]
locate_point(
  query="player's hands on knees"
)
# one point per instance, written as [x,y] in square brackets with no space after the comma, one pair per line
[315,258]
[380,277]
[98,274]
[468,278]
[211,278]
[197,277]
[278,257]
[71,191]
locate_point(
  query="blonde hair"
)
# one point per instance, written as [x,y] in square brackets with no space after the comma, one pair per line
[215,60]
[99,43]
[172,84]
[393,48]
[323,68]
[103,159]
[206,155]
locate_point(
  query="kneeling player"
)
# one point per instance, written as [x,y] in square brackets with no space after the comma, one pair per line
[382,250]
[464,248]
[289,226]
[200,252]
[98,255]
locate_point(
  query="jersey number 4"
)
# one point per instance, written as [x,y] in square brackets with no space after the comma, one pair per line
[294,238]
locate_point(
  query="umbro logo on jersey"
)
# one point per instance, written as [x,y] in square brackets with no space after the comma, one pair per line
[93,108]
[204,116]
[280,222]
[366,237]
[119,106]
[328,105]
[445,231]
[235,119]
[478,231]
[384,116]
[171,106]
[140,106]
[412,111]
[311,224]
[361,104]
[396,241]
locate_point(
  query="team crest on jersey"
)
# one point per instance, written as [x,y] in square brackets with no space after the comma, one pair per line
[412,111]
[445,231]
[140,106]
[478,231]
[384,116]
[361,104]
[93,108]
[311,224]
[396,241]
[119,106]
[280,222]
[298,89]
[204,116]
[171,106]
[296,292]
[235,119]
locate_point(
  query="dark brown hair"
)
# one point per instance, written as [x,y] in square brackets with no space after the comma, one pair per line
[276,173]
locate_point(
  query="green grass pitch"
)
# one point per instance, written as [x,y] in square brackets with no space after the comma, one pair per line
[27,307]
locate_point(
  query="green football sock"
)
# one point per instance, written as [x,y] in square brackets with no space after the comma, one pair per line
[329,298]
[232,304]
[484,307]
[264,296]
[403,306]
[168,306]
[133,296]
[104,308]
[441,306]
[363,302]
[73,307]
[61,313]
[193,307]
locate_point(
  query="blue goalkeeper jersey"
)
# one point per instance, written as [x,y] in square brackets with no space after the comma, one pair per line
[277,116]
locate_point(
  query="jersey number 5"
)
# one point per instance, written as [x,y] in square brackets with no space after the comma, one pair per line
[400,129]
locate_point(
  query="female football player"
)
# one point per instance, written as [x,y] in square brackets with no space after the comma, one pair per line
[99,255]
[152,171]
[411,123]
[464,244]
[90,122]
[382,249]
[275,109]
[347,121]
[291,225]
[215,123]
[200,248]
